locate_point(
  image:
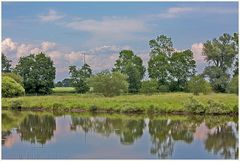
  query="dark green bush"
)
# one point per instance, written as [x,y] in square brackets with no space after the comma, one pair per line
[199,85]
[194,106]
[93,108]
[149,86]
[16,104]
[163,88]
[11,88]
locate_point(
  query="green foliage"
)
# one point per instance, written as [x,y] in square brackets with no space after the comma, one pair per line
[198,85]
[158,68]
[11,88]
[79,77]
[218,79]
[38,73]
[16,104]
[93,108]
[182,67]
[214,107]
[221,51]
[163,88]
[149,86]
[109,84]
[233,85]
[14,76]
[58,90]
[58,84]
[194,106]
[6,64]
[132,66]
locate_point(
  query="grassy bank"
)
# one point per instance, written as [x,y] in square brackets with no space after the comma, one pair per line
[166,102]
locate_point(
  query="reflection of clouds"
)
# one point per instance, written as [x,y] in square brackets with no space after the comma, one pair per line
[11,140]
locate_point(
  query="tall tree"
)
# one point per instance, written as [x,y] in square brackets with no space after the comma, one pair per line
[79,77]
[220,52]
[38,73]
[235,41]
[158,65]
[132,66]
[6,64]
[182,68]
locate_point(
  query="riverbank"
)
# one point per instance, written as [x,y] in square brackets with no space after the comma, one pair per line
[165,103]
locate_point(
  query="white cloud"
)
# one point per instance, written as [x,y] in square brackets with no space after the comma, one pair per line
[52,15]
[174,12]
[47,45]
[109,26]
[197,50]
[8,45]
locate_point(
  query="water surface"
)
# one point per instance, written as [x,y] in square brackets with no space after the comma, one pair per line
[41,135]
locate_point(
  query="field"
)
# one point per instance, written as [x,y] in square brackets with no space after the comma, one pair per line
[163,102]
[63,90]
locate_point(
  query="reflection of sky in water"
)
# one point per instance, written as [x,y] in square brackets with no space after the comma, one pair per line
[77,144]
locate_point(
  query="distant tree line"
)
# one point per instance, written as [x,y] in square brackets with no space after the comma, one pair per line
[168,71]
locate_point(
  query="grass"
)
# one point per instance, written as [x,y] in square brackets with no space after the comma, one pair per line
[63,90]
[163,102]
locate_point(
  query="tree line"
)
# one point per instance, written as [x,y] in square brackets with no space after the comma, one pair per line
[168,71]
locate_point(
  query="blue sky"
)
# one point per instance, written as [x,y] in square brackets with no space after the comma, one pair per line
[66,30]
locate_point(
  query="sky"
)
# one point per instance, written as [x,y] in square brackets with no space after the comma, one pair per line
[66,31]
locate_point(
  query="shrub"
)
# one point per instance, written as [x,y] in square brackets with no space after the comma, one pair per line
[14,76]
[194,106]
[11,88]
[233,86]
[198,85]
[214,107]
[109,84]
[149,86]
[16,104]
[163,88]
[93,108]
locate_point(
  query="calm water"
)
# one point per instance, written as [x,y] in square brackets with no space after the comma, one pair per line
[38,135]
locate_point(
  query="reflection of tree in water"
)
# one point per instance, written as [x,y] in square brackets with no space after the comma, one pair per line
[223,141]
[165,132]
[128,129]
[37,129]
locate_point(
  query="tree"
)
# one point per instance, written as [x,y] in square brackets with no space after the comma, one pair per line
[198,85]
[11,88]
[162,44]
[6,64]
[235,40]
[158,68]
[182,68]
[38,73]
[149,86]
[132,66]
[159,64]
[67,82]
[233,85]
[79,77]
[59,84]
[109,84]
[221,52]
[218,79]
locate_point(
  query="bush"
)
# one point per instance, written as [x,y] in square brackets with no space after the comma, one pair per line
[194,106]
[109,84]
[11,88]
[198,85]
[149,86]
[14,76]
[214,107]
[93,108]
[163,88]
[16,104]
[233,86]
